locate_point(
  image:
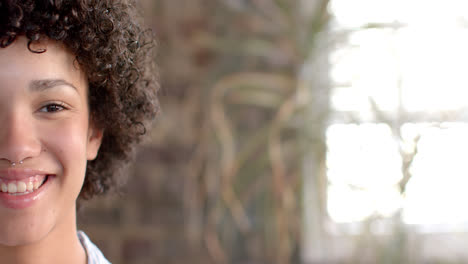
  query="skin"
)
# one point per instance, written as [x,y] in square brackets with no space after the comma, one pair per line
[50,130]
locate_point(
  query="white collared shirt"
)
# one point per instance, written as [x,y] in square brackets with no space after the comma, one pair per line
[93,253]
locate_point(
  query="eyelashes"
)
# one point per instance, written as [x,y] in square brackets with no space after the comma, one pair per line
[53,107]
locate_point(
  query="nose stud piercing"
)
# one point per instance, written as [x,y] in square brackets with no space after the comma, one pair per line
[14,163]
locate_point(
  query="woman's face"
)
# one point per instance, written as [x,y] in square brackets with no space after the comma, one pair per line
[46,132]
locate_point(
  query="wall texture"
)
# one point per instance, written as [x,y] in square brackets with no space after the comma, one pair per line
[145,223]
[219,180]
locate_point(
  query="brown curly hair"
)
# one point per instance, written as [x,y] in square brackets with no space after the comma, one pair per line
[115,52]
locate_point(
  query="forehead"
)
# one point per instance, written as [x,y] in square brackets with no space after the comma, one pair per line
[19,66]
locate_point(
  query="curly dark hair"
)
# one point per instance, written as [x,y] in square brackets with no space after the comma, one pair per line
[115,52]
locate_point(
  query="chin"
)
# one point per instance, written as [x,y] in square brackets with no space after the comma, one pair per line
[24,231]
[18,240]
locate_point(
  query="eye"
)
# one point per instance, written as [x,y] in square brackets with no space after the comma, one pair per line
[52,108]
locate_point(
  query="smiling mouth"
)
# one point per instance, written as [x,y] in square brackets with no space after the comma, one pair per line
[23,186]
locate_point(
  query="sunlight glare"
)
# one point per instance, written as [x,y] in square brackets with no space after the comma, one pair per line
[420,68]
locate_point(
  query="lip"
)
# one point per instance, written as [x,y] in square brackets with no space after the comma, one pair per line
[26,200]
[19,174]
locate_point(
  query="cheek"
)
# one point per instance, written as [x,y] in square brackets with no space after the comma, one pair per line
[65,143]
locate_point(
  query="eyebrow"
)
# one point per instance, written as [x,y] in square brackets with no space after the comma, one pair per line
[44,84]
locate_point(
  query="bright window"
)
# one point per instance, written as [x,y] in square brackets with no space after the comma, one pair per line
[400,90]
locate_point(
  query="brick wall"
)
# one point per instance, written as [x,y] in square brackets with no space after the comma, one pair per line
[145,223]
[173,209]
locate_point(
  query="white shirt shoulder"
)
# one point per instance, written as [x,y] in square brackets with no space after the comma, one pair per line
[95,255]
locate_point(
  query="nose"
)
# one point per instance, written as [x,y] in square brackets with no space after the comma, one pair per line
[18,140]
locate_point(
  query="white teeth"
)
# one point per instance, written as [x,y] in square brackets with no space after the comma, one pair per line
[30,186]
[21,187]
[12,187]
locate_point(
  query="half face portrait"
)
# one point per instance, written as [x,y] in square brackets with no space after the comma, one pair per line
[48,134]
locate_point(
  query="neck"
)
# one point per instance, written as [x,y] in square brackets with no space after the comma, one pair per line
[61,245]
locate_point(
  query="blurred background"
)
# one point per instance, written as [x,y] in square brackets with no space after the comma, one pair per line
[299,131]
